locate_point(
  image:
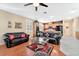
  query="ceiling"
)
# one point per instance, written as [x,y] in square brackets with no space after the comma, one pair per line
[55,11]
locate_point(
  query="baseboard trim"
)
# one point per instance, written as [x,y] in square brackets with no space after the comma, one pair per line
[2,43]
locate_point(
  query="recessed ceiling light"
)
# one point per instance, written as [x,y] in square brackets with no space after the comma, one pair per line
[73,11]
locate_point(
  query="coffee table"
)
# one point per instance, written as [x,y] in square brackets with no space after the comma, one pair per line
[37,47]
[30,52]
[39,50]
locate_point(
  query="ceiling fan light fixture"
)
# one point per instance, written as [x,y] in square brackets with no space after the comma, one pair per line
[45,12]
[36,4]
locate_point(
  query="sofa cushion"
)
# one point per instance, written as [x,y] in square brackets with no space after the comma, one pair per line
[11,36]
[16,41]
[23,35]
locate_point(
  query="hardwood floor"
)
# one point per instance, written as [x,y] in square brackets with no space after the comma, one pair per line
[21,50]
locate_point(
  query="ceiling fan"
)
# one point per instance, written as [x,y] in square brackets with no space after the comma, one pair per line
[36,5]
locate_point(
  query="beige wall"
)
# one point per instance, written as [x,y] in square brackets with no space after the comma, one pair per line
[76,20]
[76,23]
[68,28]
[69,43]
[4,18]
[73,27]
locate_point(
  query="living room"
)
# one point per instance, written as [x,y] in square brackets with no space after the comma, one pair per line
[30,31]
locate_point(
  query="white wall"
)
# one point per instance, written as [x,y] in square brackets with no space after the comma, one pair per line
[4,18]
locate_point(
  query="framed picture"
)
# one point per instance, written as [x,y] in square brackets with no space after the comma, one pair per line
[9,24]
[18,25]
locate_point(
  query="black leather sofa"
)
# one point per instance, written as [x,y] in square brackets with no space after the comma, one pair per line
[54,38]
[13,39]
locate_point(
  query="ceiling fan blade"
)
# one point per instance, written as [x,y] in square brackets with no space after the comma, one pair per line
[36,8]
[42,4]
[28,4]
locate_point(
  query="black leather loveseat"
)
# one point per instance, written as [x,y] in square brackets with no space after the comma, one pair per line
[13,39]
